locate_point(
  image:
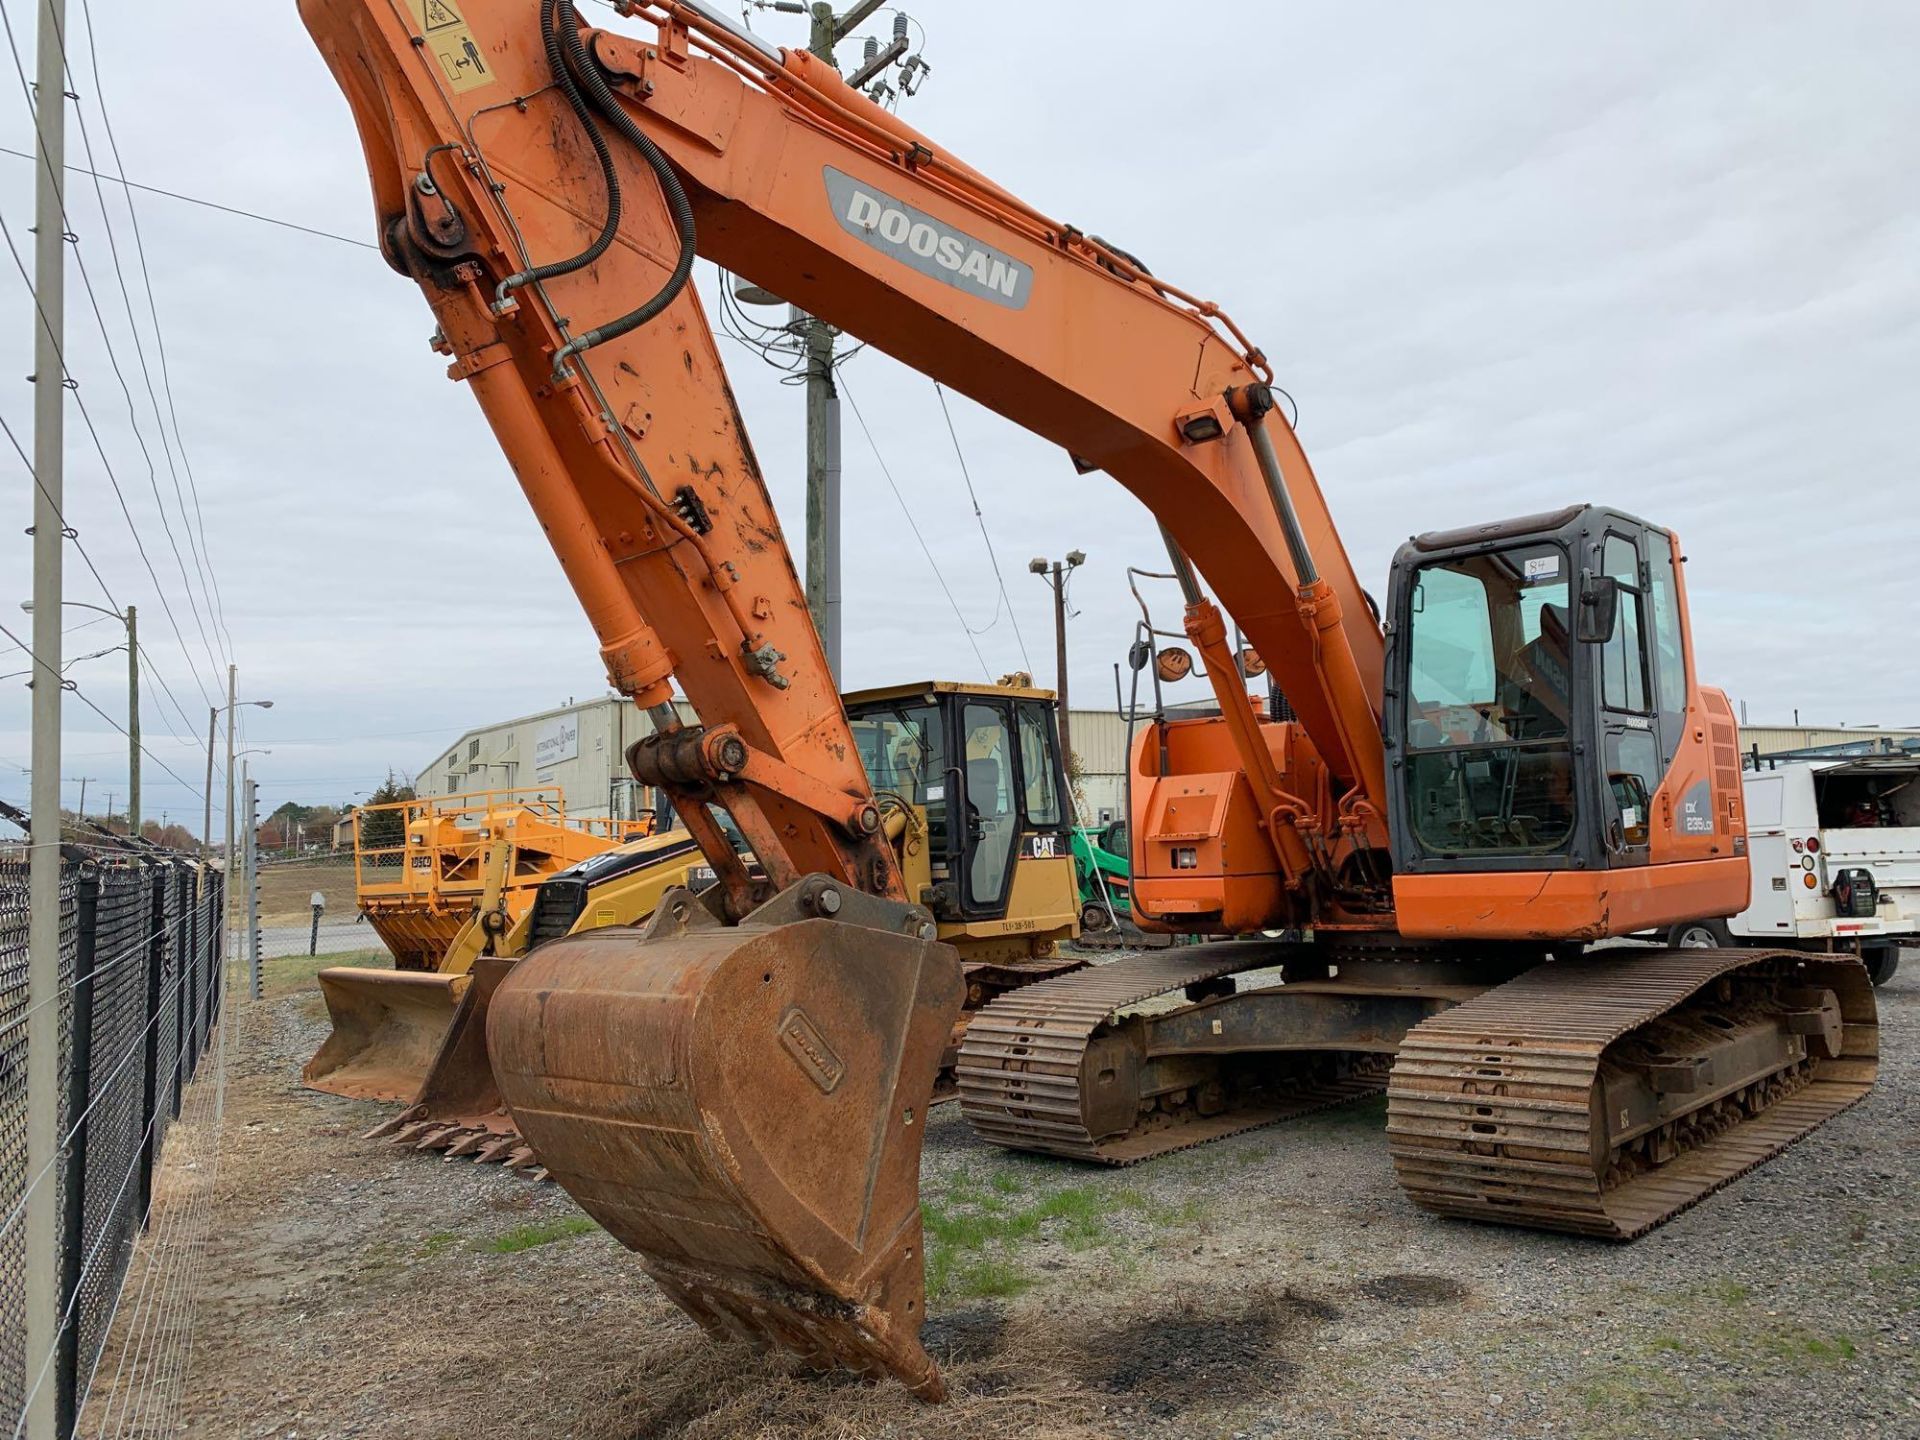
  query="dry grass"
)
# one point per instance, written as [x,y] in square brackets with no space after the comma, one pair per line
[286,888]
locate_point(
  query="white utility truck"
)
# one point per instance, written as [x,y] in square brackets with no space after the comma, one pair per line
[1835,849]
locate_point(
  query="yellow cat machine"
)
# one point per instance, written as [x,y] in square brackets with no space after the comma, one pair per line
[972,796]
[439,879]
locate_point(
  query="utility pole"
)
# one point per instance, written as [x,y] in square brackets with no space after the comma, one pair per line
[83,797]
[133,723]
[823,431]
[816,337]
[1055,574]
[42,1235]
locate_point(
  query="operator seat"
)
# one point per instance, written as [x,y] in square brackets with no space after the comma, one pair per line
[1539,698]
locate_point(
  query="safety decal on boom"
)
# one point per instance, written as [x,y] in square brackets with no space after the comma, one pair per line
[450,41]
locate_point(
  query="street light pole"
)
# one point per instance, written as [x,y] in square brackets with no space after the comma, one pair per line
[1055,574]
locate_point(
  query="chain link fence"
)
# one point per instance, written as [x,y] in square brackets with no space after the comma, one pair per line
[139,996]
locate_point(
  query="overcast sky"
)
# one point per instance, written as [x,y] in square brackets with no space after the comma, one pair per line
[1506,256]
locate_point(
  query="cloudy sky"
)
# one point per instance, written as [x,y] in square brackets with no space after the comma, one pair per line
[1506,256]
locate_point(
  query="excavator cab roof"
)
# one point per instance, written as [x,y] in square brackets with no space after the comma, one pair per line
[929,688]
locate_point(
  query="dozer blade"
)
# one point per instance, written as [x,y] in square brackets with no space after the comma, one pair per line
[743,1106]
[387,1028]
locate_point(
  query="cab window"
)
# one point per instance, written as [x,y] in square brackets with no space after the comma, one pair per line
[1623,661]
[1669,653]
[1490,691]
[1042,792]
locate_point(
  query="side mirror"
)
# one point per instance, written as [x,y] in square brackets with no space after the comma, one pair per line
[1138,654]
[1599,609]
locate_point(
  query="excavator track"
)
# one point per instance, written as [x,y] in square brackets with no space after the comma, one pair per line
[1497,1108]
[1023,1064]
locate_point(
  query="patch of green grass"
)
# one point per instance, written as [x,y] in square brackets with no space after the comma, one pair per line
[1667,1342]
[1729,1293]
[967,1228]
[991,1279]
[290,974]
[526,1237]
[440,1240]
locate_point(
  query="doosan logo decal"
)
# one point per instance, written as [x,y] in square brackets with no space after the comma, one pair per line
[918,240]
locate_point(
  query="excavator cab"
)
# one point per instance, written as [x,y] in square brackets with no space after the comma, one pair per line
[1546,736]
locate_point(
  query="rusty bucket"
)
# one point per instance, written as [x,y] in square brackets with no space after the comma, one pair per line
[743,1106]
[387,1027]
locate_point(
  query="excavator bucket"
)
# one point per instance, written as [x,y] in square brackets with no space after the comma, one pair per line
[743,1106]
[458,1108]
[387,1028]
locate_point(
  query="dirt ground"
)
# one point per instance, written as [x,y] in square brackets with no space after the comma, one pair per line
[1273,1283]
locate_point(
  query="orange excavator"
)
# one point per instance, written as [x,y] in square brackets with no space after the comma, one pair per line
[1513,759]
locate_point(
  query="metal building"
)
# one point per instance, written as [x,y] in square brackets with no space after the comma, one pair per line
[580,749]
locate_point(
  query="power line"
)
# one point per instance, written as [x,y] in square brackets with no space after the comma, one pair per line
[73,535]
[207,204]
[87,700]
[992,554]
[6,234]
[932,564]
[105,589]
[80,404]
[153,312]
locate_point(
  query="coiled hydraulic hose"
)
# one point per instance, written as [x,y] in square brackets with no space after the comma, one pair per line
[579,71]
[556,60]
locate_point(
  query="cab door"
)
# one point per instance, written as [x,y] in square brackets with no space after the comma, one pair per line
[1629,704]
[989,813]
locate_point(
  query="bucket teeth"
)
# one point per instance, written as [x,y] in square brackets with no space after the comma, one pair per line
[499,1149]
[468,1143]
[438,1137]
[410,1132]
[521,1156]
[393,1123]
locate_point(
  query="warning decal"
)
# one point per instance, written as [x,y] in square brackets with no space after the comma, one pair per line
[450,41]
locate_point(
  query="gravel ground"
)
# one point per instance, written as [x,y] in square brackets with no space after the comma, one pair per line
[1273,1283]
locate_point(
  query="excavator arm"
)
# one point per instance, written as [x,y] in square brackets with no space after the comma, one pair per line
[505,139]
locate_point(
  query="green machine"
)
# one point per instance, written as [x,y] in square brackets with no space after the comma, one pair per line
[1101,865]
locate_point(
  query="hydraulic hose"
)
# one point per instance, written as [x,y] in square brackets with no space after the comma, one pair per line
[579,71]
[556,59]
